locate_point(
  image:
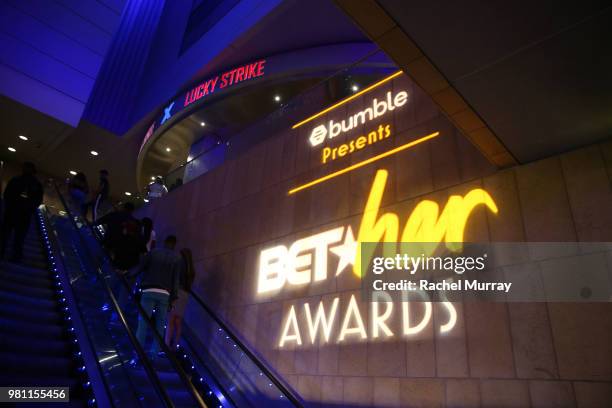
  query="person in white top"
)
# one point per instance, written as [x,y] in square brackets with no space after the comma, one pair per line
[157,189]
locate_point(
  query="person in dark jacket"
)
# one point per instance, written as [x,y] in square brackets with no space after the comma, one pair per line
[160,269]
[100,196]
[115,223]
[124,241]
[79,188]
[175,321]
[22,196]
[128,246]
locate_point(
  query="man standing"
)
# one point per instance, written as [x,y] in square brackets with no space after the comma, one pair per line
[160,270]
[100,196]
[22,196]
[157,189]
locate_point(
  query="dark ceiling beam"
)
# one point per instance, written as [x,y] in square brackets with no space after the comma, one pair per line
[380,27]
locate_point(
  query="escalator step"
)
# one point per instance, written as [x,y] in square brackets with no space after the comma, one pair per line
[29,280]
[33,346]
[31,253]
[40,330]
[168,379]
[41,365]
[12,311]
[47,302]
[33,380]
[24,270]
[26,290]
[180,398]
[35,264]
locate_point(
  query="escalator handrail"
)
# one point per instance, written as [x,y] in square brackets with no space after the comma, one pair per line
[262,367]
[79,319]
[151,373]
[290,395]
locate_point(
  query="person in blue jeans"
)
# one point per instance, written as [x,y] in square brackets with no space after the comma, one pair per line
[160,271]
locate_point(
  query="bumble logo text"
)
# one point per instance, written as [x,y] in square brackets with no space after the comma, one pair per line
[378,108]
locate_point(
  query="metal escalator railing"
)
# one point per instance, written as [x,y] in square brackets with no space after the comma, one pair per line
[102,345]
[241,371]
[109,278]
[286,397]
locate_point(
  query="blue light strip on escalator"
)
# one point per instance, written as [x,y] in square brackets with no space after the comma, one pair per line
[77,355]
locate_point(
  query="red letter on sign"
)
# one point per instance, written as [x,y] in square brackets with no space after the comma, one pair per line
[260,67]
[251,70]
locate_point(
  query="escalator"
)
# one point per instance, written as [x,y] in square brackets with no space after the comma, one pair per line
[130,376]
[210,368]
[37,345]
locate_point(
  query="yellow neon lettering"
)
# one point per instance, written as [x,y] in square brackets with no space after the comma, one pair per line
[332,153]
[374,229]
[326,154]
[425,224]
[361,142]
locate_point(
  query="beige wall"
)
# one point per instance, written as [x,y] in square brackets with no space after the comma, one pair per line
[516,354]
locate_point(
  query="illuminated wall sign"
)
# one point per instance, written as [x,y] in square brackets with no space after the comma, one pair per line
[147,136]
[224,80]
[221,81]
[304,262]
[352,325]
[358,143]
[364,162]
[377,109]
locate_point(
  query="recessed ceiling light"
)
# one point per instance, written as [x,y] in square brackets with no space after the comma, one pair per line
[74,173]
[94,153]
[153,178]
[354,88]
[22,137]
[168,149]
[202,124]
[277,98]
[12,149]
[127,193]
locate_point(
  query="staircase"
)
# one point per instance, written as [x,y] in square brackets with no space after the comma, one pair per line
[35,346]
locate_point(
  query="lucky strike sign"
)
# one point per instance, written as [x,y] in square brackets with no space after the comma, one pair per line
[225,80]
[205,88]
[305,262]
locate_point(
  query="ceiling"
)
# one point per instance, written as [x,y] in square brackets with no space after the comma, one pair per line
[538,73]
[57,148]
[294,25]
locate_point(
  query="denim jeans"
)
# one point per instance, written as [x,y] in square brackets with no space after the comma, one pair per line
[153,301]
